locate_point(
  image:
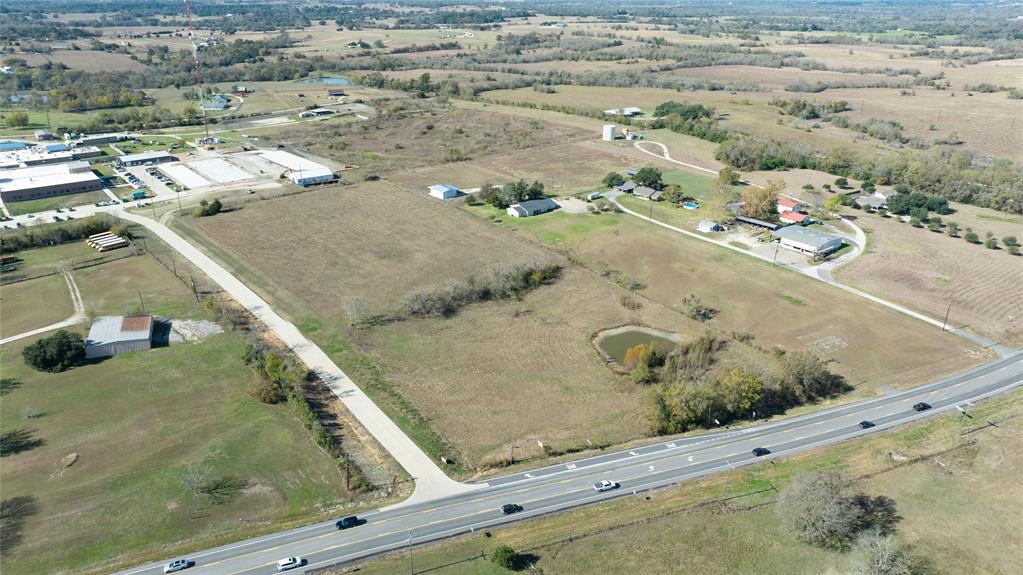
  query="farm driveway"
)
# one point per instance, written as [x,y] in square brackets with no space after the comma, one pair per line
[431,482]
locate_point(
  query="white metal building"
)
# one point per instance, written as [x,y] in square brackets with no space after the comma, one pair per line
[301,171]
[609,132]
[111,335]
[807,241]
[444,191]
[144,158]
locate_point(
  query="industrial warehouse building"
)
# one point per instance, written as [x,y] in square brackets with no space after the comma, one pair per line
[47,181]
[111,335]
[45,154]
[145,158]
[300,170]
[807,240]
[98,139]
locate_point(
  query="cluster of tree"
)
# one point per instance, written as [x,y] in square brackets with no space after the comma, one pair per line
[886,130]
[56,233]
[807,110]
[511,193]
[820,85]
[952,174]
[425,47]
[506,282]
[690,394]
[71,90]
[421,85]
[761,202]
[904,201]
[58,352]
[17,29]
[209,208]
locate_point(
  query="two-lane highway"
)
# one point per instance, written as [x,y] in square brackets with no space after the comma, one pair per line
[566,485]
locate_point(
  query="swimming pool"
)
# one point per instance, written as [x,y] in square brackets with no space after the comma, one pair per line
[690,205]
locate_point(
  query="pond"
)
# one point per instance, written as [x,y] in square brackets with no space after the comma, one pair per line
[613,343]
[335,80]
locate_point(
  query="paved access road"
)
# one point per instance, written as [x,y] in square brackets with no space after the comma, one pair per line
[567,485]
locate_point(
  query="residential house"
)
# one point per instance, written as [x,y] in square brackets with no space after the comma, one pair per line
[532,208]
[786,205]
[645,193]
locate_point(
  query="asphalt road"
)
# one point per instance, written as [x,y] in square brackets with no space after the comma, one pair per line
[562,486]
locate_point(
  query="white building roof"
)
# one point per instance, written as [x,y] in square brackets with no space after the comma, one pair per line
[805,236]
[300,167]
[441,188]
[144,156]
[34,154]
[45,175]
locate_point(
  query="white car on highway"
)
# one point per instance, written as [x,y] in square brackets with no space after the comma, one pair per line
[289,563]
[177,565]
[605,485]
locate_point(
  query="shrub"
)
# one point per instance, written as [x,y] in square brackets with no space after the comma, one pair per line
[266,391]
[208,208]
[504,556]
[613,179]
[991,244]
[818,508]
[500,283]
[694,308]
[55,353]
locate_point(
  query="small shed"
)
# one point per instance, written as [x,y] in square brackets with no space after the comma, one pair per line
[114,334]
[628,187]
[708,226]
[42,135]
[444,191]
[786,205]
[532,208]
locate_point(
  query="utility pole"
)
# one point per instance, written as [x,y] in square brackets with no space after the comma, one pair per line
[776,248]
[142,303]
[945,321]
[195,292]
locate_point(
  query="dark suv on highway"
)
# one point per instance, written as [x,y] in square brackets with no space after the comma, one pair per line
[921,406]
[348,522]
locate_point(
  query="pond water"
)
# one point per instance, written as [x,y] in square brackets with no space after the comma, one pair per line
[335,80]
[616,342]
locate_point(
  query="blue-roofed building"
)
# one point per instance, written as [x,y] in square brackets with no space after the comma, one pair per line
[56,148]
[10,145]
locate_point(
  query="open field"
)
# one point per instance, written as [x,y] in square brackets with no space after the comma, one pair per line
[928,271]
[672,530]
[349,244]
[123,499]
[88,60]
[753,298]
[33,304]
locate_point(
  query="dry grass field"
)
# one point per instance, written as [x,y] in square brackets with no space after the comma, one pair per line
[496,375]
[779,308]
[406,136]
[87,60]
[928,271]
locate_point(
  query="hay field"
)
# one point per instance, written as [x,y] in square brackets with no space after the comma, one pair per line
[927,271]
[779,308]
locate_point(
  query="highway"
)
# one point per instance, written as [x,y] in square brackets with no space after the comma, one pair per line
[566,485]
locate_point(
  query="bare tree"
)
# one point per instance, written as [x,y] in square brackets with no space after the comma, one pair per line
[875,553]
[818,508]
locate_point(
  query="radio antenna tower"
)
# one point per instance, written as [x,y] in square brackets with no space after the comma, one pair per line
[198,75]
